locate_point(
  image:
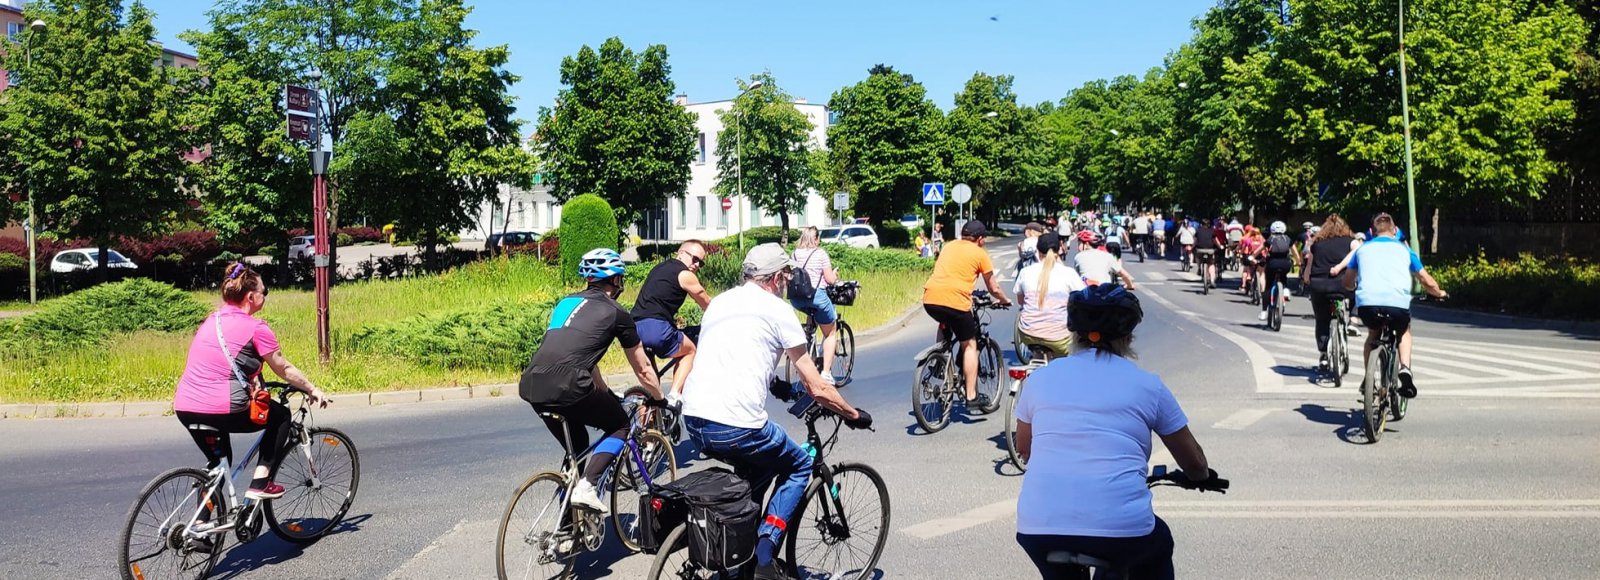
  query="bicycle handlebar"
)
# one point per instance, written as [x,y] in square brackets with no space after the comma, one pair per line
[1160,476]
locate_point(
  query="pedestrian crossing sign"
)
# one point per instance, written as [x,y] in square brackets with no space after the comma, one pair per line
[933,194]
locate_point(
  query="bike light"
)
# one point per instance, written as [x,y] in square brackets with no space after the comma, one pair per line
[655,503]
[1017,373]
[292,527]
[331,441]
[137,573]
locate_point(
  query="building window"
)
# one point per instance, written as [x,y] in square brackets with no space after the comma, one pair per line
[550,211]
[701,159]
[683,212]
[702,222]
[833,117]
[755,217]
[722,216]
[800,215]
[535,220]
[167,60]
[13,29]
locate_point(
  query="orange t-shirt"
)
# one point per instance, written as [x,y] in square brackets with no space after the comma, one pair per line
[954,274]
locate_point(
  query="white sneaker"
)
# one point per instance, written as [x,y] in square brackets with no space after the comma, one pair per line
[585,496]
[1262,316]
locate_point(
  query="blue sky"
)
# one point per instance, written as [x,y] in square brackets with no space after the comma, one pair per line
[814,48]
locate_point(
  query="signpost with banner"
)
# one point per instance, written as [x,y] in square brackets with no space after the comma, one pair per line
[303,117]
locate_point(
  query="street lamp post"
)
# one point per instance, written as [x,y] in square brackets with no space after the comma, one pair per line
[1405,122]
[34,29]
[738,155]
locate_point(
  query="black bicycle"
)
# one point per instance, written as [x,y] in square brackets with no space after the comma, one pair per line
[838,535]
[1159,476]
[939,380]
[177,527]
[844,349]
[1338,352]
[1380,387]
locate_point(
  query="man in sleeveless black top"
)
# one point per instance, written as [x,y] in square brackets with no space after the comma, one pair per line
[655,313]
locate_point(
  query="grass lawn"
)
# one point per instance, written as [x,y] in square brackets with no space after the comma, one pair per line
[146,365]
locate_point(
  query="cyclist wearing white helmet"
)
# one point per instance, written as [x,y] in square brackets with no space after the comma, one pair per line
[1279,250]
[563,377]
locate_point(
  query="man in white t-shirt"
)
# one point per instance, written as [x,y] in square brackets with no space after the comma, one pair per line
[1098,265]
[742,334]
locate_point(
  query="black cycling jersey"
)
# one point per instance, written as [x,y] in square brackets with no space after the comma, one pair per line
[661,295]
[582,327]
[1325,254]
[1205,238]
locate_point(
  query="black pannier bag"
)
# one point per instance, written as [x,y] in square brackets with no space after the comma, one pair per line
[659,512]
[721,517]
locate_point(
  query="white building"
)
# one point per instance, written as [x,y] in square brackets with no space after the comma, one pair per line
[696,215]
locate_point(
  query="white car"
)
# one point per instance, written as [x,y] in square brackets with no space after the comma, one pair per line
[853,235]
[911,222]
[87,259]
[302,247]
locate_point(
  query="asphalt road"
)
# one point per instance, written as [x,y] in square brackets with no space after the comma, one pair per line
[1493,475]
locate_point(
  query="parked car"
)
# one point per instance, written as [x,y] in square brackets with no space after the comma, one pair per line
[854,235]
[87,259]
[302,247]
[518,238]
[911,222]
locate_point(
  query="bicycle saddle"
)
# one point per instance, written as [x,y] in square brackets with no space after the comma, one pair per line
[1076,559]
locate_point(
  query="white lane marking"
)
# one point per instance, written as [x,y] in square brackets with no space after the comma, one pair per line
[1391,514]
[1260,360]
[1242,419]
[1153,275]
[444,557]
[967,519]
[1563,357]
[1452,358]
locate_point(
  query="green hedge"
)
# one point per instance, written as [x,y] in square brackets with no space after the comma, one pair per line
[1565,288]
[761,235]
[848,259]
[501,335]
[586,223]
[89,317]
[894,235]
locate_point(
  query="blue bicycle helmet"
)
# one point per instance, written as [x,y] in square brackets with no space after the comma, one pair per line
[599,264]
[1103,312]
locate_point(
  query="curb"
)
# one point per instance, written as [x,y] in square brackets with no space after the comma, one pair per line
[158,409]
[1464,316]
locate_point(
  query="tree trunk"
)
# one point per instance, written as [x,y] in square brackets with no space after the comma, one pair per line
[104,260]
[783,224]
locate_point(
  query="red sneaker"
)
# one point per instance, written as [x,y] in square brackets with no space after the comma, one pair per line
[271,491]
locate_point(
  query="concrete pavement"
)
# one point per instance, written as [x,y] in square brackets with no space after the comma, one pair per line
[1492,481]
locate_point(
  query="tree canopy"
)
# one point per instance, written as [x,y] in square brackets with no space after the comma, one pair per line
[888,138]
[776,167]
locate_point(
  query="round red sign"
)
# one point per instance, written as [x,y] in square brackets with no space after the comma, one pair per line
[727,204]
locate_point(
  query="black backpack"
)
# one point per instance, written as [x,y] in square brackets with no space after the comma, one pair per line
[800,285]
[721,517]
[1279,246]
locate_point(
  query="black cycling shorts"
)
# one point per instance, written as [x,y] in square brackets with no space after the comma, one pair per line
[1376,317]
[960,323]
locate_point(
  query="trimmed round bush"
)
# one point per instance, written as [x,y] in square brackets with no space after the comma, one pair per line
[587,222]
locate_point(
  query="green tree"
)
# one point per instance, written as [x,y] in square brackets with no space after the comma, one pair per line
[776,148]
[93,129]
[615,131]
[983,149]
[587,222]
[886,142]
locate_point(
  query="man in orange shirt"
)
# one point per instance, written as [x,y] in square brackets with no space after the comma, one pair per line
[947,297]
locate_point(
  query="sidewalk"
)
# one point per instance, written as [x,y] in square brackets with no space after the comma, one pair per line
[620,381]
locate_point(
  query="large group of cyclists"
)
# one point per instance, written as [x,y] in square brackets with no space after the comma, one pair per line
[1081,429]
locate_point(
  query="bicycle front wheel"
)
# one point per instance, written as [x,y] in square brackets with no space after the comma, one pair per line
[840,534]
[844,354]
[1011,428]
[628,486]
[319,476]
[153,543]
[1397,404]
[990,367]
[932,393]
[535,539]
[1373,396]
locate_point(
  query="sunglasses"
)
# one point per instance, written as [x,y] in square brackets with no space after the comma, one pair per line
[264,291]
[698,261]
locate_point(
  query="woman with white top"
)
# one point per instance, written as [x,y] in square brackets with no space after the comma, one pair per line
[1084,425]
[1042,292]
[814,262]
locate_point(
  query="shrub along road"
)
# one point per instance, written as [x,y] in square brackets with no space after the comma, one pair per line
[1468,486]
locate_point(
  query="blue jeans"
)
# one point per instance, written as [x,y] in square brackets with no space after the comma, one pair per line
[820,307]
[758,456]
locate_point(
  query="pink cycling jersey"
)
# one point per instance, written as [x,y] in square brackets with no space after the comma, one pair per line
[208,384]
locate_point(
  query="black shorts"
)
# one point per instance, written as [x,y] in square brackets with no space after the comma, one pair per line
[1377,317]
[1115,249]
[959,323]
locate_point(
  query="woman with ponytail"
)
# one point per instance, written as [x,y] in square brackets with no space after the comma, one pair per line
[224,367]
[1042,290]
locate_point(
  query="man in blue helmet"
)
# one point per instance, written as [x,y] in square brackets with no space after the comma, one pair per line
[563,377]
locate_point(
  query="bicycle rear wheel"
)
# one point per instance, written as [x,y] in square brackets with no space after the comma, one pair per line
[1338,362]
[152,543]
[991,363]
[1397,404]
[628,486]
[825,543]
[1373,397]
[844,353]
[1275,311]
[536,537]
[1011,428]
[672,560]
[932,391]
[320,477]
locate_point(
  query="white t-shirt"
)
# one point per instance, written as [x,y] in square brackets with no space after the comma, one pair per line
[1097,265]
[1141,225]
[743,333]
[1049,322]
[1028,248]
[1092,415]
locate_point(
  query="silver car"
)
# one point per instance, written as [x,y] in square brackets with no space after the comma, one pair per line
[88,259]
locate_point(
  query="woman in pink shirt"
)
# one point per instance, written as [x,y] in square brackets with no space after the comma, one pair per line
[225,359]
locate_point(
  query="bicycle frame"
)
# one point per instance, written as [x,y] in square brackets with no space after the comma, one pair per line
[225,474]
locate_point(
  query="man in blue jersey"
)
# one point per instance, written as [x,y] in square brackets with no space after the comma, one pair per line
[1380,272]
